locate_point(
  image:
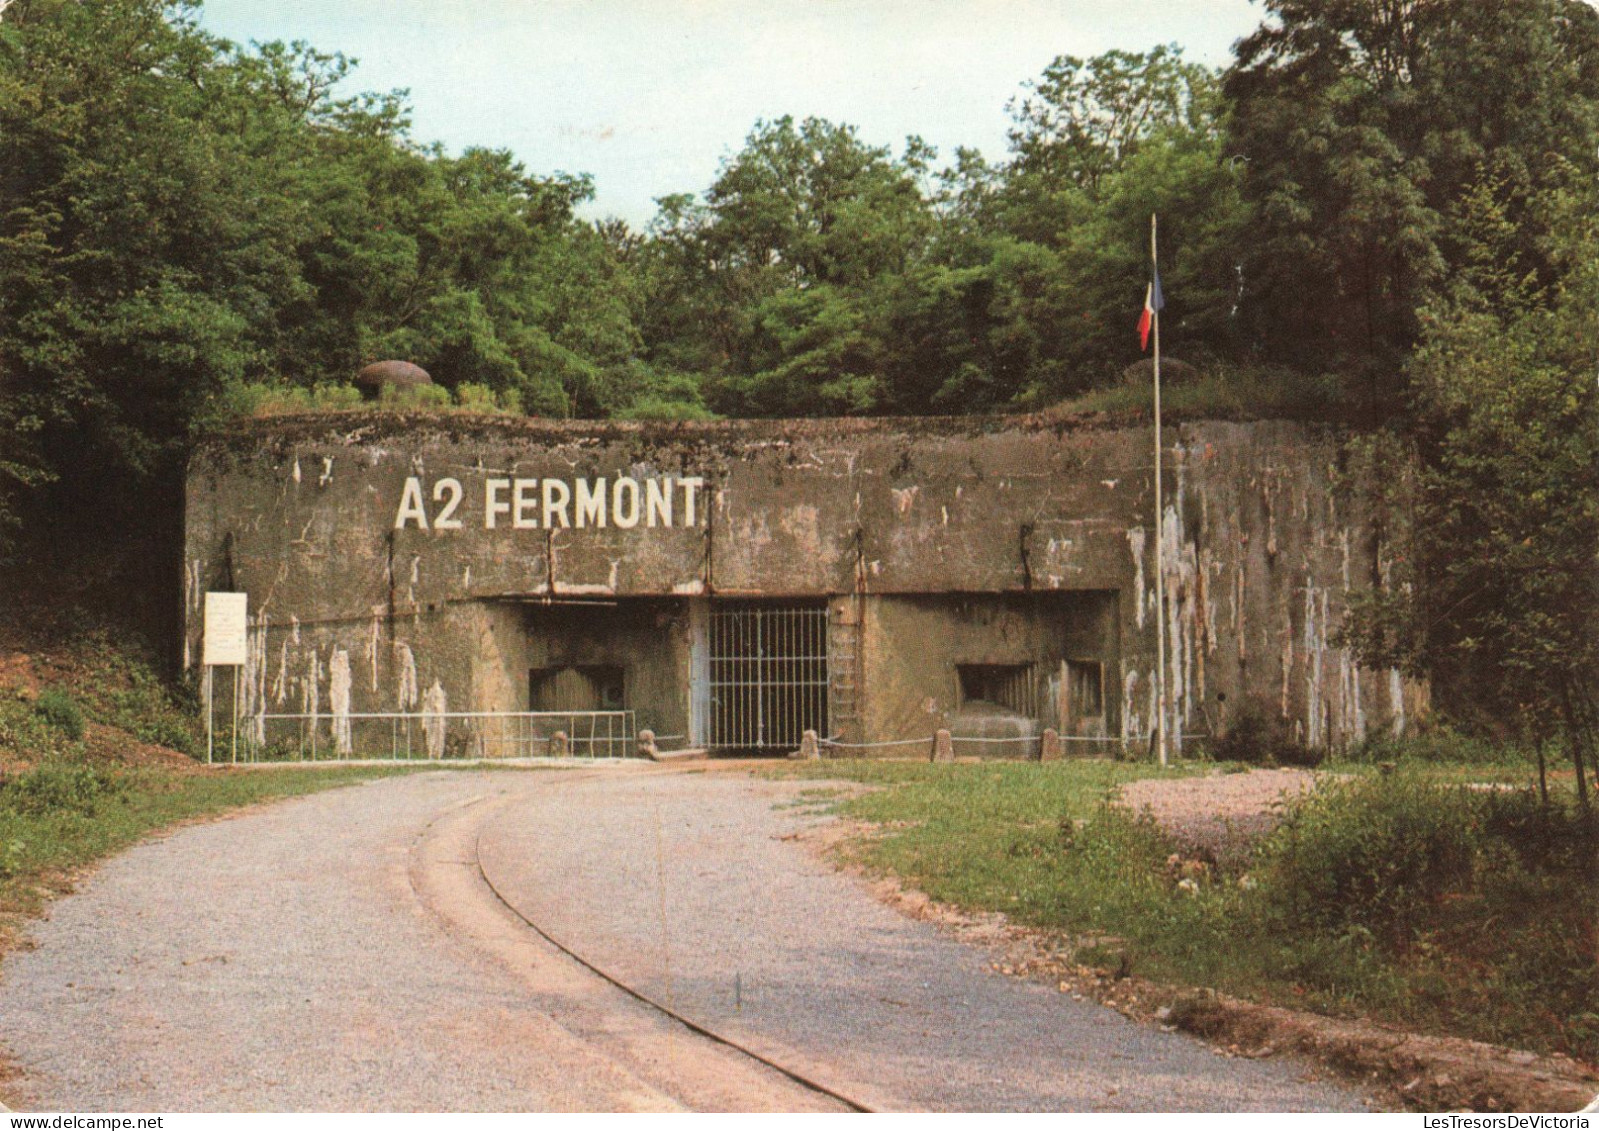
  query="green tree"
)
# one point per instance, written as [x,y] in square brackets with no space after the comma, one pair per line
[1097,146]
[1084,119]
[822,274]
[769,283]
[138,256]
[179,216]
[1500,606]
[1360,125]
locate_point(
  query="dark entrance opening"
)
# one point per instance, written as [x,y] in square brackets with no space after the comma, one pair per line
[768,675]
[1085,693]
[580,687]
[1011,686]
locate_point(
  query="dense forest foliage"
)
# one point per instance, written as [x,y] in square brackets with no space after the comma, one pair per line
[1389,201]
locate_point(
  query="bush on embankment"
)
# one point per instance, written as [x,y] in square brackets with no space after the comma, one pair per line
[92,697]
[1467,909]
[1448,908]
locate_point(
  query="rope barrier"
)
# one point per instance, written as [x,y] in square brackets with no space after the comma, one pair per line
[928,741]
[1035,738]
[875,745]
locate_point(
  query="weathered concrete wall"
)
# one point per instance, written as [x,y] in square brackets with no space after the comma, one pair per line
[389,557]
[915,644]
[1267,530]
[649,639]
[919,506]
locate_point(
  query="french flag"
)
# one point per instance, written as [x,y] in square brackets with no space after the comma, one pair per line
[1154,301]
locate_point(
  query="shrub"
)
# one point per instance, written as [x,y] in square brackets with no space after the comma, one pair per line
[480,398]
[28,735]
[57,788]
[173,732]
[1438,744]
[132,697]
[331,397]
[417,397]
[257,399]
[58,708]
[266,398]
[1392,858]
[1252,738]
[1468,910]
[1227,393]
[1369,858]
[1556,842]
[651,407]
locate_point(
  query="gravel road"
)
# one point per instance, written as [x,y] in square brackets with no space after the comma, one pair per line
[342,952]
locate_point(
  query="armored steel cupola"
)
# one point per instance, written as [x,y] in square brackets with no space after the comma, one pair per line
[381,375]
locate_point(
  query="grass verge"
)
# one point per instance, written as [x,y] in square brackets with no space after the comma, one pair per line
[1404,897]
[979,836]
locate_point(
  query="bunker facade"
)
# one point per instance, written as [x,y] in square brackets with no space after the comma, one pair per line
[732,584]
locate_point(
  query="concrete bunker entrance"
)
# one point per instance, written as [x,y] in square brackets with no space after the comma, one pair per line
[749,676]
[765,675]
[736,676]
[626,655]
[996,669]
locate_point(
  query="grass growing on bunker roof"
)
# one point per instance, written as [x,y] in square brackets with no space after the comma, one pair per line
[1410,896]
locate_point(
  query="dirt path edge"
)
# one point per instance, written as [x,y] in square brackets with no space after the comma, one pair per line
[1418,1072]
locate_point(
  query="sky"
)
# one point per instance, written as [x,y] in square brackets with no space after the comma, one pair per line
[649,97]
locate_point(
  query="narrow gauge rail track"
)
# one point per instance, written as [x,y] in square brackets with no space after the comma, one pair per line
[428,893]
[687,1022]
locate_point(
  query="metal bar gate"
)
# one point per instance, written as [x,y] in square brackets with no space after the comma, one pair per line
[768,674]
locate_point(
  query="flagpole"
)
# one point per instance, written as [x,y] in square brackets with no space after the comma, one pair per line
[1160,536]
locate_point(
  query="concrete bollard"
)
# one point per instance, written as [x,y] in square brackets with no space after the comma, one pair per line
[1049,750]
[809,748]
[559,746]
[646,745]
[943,747]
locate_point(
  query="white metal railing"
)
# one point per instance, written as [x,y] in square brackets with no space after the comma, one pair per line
[424,735]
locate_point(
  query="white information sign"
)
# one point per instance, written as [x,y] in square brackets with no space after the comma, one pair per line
[226,629]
